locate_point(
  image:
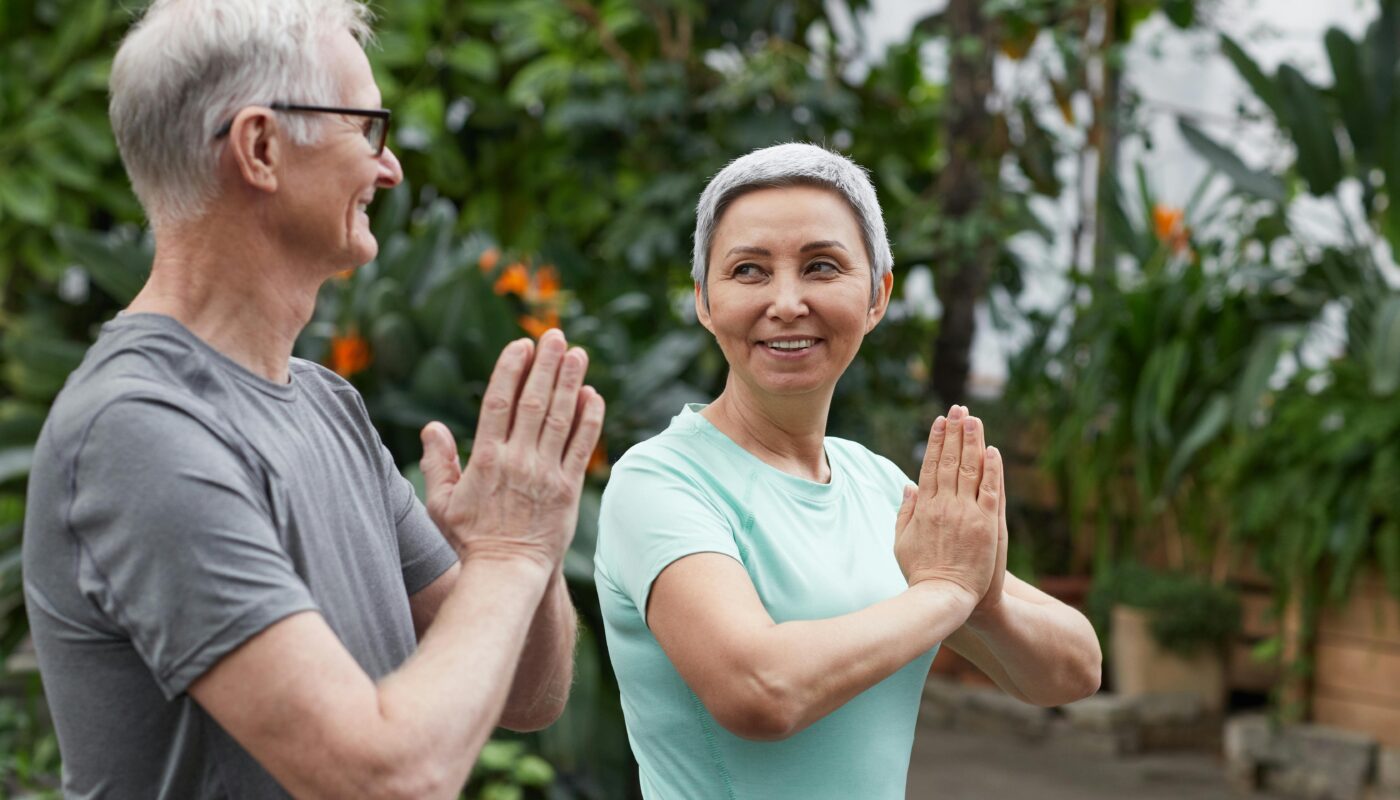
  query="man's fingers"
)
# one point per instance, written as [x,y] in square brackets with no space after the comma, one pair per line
[906,508]
[990,492]
[564,406]
[499,400]
[951,457]
[928,473]
[585,438]
[441,468]
[970,470]
[535,398]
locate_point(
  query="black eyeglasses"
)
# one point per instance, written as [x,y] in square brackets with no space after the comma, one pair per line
[376,125]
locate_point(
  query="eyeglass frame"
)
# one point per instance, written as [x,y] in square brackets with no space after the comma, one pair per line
[381,114]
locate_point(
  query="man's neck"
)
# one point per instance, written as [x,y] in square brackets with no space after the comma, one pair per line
[787,433]
[233,289]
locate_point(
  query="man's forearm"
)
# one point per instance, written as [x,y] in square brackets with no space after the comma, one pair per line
[545,669]
[1042,653]
[451,692]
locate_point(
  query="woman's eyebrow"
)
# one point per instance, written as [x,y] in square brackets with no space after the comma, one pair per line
[748,250]
[822,245]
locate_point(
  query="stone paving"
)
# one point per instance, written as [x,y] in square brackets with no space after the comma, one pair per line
[959,765]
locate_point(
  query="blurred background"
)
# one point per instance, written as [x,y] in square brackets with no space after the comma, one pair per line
[1150,242]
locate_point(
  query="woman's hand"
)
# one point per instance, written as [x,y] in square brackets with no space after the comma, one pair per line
[949,528]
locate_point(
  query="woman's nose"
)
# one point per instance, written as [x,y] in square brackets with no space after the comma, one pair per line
[788,302]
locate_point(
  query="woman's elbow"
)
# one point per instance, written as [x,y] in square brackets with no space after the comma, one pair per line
[762,711]
[1078,678]
[539,716]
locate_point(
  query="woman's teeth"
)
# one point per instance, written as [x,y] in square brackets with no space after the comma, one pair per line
[792,344]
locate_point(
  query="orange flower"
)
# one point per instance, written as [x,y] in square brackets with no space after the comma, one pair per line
[488,260]
[349,354]
[536,326]
[515,280]
[1170,227]
[598,462]
[547,282]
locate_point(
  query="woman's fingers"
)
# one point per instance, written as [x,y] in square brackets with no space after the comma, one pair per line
[990,492]
[970,470]
[951,457]
[928,473]
[906,509]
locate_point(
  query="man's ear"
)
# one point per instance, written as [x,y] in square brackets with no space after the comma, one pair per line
[882,302]
[702,309]
[257,146]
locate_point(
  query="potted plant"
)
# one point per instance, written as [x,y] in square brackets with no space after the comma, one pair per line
[1167,631]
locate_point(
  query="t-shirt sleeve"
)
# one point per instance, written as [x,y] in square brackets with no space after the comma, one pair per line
[424,554]
[176,538]
[652,515]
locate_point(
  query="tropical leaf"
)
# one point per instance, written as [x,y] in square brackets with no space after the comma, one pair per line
[1262,85]
[1384,350]
[1352,91]
[1261,184]
[1307,120]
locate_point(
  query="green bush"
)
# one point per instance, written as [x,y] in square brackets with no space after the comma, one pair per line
[1187,613]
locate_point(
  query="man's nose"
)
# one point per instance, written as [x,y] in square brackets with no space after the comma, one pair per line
[390,170]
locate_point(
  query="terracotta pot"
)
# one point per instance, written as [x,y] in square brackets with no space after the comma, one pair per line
[1141,666]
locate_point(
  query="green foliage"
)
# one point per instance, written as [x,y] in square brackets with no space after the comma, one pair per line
[505,770]
[1187,613]
[29,761]
[1157,372]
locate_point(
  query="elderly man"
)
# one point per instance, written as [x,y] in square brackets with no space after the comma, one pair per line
[232,590]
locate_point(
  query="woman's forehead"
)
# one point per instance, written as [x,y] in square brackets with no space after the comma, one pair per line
[790,214]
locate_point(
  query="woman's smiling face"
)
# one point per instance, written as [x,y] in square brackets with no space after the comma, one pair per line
[789,289]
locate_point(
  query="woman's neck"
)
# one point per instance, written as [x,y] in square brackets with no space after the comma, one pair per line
[786,433]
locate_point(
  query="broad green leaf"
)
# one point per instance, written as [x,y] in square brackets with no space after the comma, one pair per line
[1211,420]
[15,463]
[1262,85]
[1311,126]
[28,195]
[118,264]
[1254,382]
[1351,90]
[1258,183]
[474,58]
[1385,348]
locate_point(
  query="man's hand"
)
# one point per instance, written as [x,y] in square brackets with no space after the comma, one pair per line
[519,494]
[947,529]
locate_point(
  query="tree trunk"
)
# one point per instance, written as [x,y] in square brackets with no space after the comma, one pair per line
[966,189]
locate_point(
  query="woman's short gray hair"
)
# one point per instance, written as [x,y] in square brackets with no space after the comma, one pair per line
[190,65]
[793,164]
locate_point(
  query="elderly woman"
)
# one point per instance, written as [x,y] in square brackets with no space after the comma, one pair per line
[774,596]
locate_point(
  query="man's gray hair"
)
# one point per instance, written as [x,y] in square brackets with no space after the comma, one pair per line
[793,164]
[189,65]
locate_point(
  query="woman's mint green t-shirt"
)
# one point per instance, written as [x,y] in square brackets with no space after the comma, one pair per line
[813,551]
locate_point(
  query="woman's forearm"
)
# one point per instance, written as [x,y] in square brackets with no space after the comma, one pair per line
[1044,653]
[797,672]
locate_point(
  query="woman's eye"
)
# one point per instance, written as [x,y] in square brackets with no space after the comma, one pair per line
[747,270]
[823,268]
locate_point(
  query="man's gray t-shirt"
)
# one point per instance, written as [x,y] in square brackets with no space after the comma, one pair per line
[180,504]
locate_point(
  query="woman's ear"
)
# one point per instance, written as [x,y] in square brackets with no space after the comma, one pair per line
[881,303]
[702,309]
